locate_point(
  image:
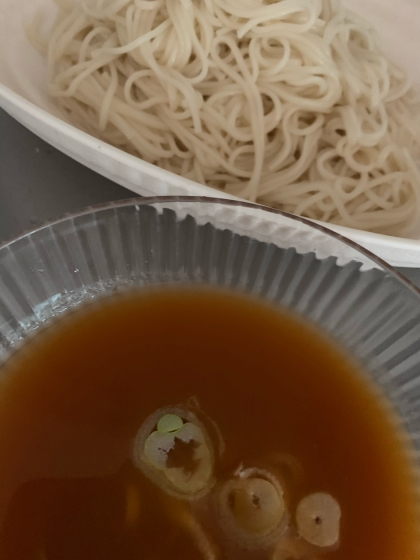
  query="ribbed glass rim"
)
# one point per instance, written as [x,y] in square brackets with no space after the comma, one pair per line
[150,200]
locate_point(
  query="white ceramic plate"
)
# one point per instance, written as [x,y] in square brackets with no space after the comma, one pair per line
[23,95]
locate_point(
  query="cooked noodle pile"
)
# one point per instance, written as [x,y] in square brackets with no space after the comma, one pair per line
[289,103]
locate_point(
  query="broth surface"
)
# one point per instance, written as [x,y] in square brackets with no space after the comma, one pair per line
[280,393]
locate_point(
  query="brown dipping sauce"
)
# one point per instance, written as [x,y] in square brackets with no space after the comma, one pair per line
[270,393]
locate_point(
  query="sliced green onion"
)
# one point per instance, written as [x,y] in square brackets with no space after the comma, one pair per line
[169,423]
[174,451]
[318,519]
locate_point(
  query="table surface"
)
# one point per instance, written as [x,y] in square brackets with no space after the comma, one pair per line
[39,183]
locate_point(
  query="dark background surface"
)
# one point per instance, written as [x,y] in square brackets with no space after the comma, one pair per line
[39,183]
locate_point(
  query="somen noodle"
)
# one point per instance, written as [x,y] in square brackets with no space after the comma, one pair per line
[289,103]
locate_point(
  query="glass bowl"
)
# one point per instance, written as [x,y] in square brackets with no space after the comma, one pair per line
[362,302]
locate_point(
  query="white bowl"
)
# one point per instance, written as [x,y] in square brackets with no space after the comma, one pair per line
[23,95]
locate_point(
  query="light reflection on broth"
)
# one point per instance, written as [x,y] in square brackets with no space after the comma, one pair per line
[192,423]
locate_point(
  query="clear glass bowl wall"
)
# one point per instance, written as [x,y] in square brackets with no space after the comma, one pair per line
[360,301]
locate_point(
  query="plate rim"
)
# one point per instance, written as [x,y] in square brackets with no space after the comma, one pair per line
[60,126]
